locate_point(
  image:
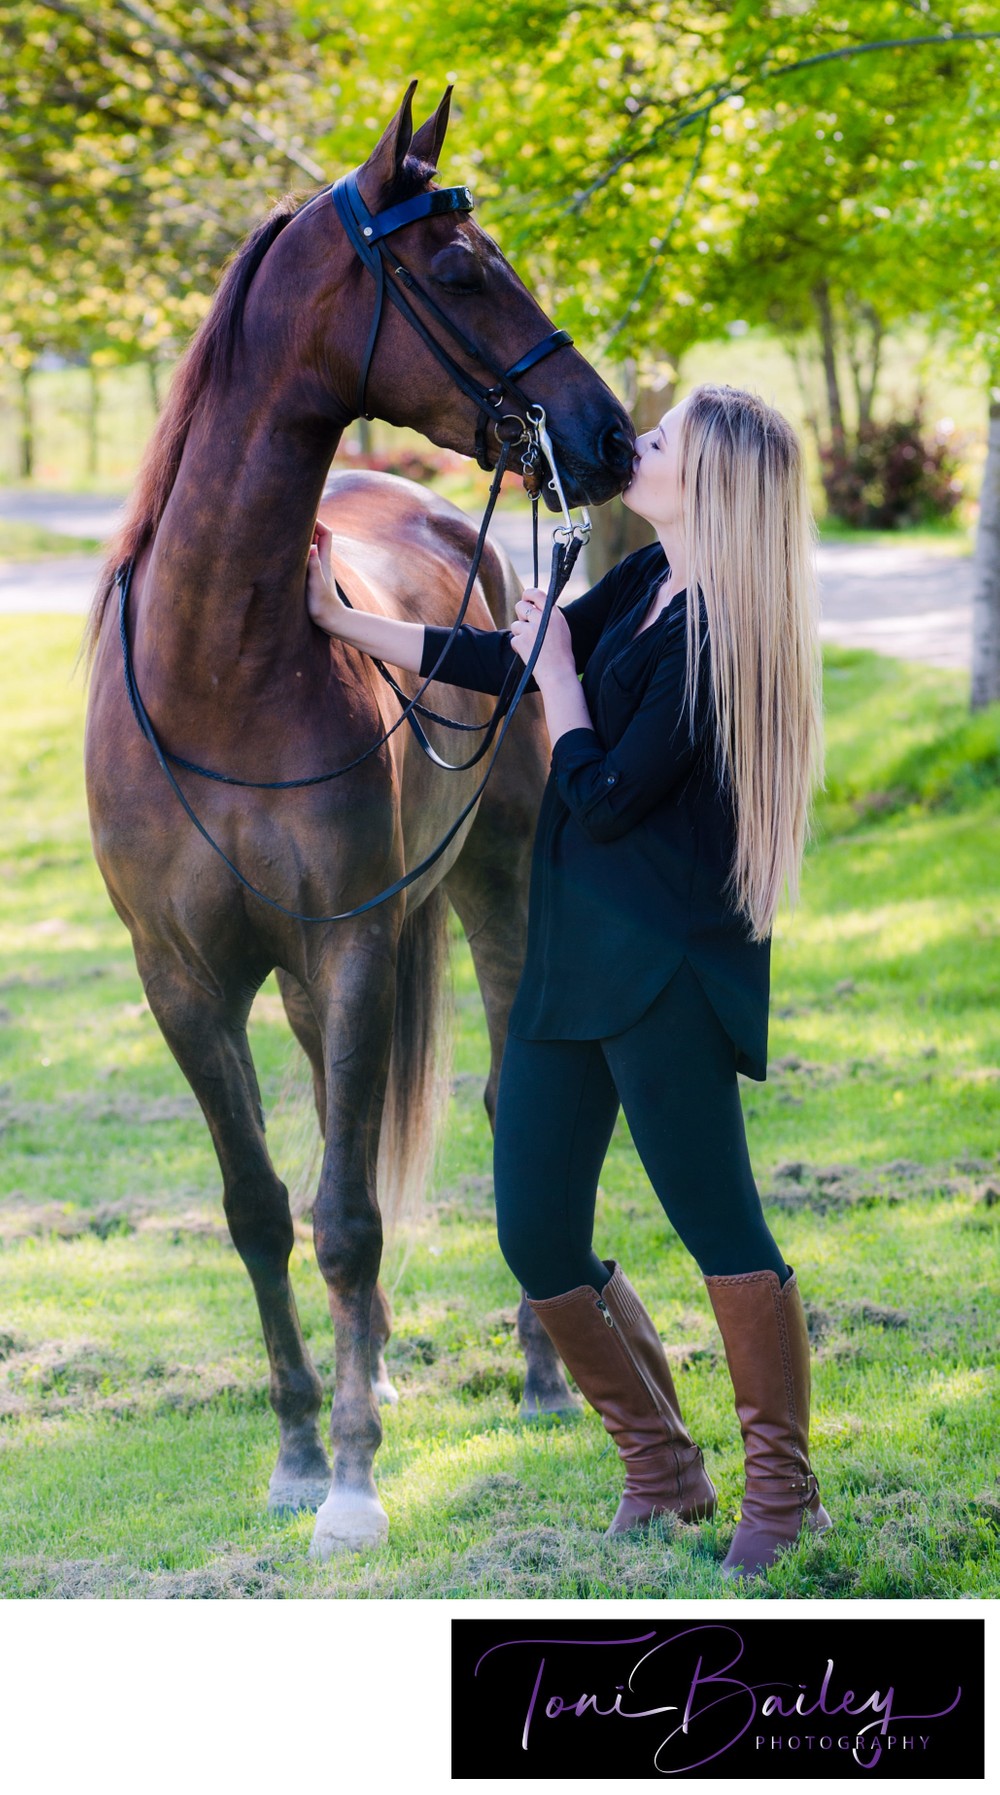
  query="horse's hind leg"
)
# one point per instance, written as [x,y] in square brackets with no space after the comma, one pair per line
[488,887]
[207,1035]
[307,1032]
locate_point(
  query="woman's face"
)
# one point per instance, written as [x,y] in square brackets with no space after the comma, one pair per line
[654,491]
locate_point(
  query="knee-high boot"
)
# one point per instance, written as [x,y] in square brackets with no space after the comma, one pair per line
[763,1327]
[615,1354]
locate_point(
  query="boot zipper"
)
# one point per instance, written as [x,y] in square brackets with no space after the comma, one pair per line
[609,1318]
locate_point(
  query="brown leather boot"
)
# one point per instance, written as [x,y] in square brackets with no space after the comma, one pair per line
[763,1327]
[615,1354]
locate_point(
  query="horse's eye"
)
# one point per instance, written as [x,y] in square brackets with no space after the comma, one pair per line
[457,269]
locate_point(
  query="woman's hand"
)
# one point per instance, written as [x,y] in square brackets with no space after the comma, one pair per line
[556,658]
[322,602]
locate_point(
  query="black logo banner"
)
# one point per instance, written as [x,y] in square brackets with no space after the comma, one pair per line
[714,1696]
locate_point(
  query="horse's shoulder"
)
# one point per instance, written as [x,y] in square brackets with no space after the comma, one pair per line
[385,526]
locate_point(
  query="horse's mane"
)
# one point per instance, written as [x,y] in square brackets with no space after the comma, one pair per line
[202,371]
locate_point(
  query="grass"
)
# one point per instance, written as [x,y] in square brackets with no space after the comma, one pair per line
[946,537]
[135,1438]
[33,542]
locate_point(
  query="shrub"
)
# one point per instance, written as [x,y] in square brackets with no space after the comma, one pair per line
[891,475]
[416,463]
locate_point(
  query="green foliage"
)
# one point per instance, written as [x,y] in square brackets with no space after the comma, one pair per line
[137,144]
[658,171]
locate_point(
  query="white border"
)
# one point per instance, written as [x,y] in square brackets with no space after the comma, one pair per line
[141,1697]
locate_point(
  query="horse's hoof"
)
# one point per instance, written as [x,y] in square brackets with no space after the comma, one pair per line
[384,1391]
[297,1495]
[349,1521]
[552,1408]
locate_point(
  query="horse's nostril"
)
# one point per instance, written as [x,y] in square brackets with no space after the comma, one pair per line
[617,448]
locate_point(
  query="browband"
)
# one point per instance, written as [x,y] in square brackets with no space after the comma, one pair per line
[373,226]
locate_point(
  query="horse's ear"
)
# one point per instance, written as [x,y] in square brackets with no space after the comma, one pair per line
[428,141]
[386,160]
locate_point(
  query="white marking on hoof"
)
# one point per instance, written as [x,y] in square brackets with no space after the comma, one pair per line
[349,1521]
[384,1391]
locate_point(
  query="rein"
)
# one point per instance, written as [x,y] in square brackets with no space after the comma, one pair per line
[366,233]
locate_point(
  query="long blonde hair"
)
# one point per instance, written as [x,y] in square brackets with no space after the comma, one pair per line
[750,542]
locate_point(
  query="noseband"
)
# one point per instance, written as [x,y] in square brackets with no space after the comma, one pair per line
[366,233]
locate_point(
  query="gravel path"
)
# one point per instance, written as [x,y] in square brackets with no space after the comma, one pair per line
[912,603]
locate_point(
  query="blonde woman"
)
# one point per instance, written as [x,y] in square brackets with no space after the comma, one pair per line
[674,817]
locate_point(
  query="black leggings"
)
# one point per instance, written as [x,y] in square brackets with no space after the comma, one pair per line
[674,1072]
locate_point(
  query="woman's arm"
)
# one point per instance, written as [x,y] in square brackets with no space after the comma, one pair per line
[480,659]
[389,638]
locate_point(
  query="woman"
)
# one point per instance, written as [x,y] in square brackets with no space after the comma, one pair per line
[674,815]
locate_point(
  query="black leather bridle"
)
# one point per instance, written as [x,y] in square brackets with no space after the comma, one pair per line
[366,233]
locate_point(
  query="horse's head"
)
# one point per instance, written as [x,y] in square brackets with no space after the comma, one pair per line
[478,309]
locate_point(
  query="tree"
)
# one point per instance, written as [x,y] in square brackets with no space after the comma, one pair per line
[136,144]
[666,169]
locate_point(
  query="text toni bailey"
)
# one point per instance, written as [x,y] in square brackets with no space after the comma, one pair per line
[713,1707]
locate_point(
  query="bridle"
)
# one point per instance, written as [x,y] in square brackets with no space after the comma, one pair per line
[366,233]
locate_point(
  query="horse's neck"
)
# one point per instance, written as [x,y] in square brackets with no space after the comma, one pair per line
[224,583]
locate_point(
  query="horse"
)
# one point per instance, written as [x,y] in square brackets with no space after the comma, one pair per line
[237,676]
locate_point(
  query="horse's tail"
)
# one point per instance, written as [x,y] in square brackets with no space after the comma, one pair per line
[419,1082]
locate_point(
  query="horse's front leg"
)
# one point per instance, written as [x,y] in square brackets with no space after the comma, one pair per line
[206,1031]
[354,1003]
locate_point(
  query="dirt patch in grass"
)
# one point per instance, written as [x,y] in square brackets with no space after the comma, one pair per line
[822,1322]
[33,981]
[497,1491]
[108,1221]
[52,1378]
[471,1194]
[899,1526]
[238,1577]
[794,1184]
[55,1377]
[829,999]
[550,1561]
[486,1379]
[138,1112]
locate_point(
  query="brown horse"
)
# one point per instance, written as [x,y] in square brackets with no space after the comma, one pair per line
[235,676]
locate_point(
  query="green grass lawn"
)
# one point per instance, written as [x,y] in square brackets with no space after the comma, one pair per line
[33,542]
[135,1436]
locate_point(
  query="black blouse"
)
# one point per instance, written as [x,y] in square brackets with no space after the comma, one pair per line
[634,840]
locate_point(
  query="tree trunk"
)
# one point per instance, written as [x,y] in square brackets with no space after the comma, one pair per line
[986,592]
[27,426]
[863,320]
[808,408]
[153,376]
[617,530]
[93,415]
[867,399]
[828,342]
